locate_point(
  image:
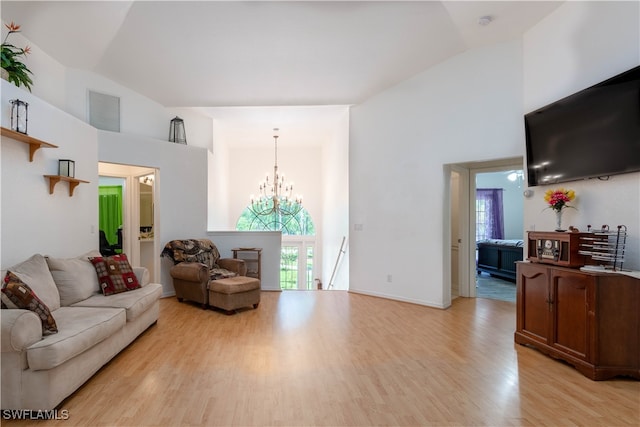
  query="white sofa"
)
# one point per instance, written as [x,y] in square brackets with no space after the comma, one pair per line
[40,371]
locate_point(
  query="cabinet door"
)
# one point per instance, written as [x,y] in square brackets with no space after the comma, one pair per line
[533,304]
[572,294]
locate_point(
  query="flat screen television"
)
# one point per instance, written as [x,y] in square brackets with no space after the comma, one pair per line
[594,133]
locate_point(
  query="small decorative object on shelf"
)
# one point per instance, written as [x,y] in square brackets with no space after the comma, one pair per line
[605,246]
[177,133]
[550,247]
[67,168]
[13,70]
[558,200]
[19,115]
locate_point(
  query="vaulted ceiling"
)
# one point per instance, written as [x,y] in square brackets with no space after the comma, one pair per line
[265,53]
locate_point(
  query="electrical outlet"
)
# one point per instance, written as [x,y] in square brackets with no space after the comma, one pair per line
[389,278]
[358,227]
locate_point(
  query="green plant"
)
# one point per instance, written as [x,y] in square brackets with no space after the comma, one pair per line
[18,73]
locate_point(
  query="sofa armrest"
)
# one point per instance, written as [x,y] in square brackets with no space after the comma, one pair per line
[191,282]
[20,329]
[142,274]
[236,265]
[190,272]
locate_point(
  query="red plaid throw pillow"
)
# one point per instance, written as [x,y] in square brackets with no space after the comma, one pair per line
[115,274]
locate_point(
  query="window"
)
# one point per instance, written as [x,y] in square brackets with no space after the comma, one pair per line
[489,214]
[298,246]
[298,225]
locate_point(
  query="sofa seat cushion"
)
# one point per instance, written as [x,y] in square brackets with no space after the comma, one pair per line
[79,329]
[134,302]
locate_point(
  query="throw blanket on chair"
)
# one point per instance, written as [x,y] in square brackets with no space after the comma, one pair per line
[197,250]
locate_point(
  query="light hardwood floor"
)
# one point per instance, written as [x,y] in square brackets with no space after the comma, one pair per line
[332,358]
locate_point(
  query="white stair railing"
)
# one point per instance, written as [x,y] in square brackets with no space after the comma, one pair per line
[338,259]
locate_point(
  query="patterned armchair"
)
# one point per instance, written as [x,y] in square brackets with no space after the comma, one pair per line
[196,262]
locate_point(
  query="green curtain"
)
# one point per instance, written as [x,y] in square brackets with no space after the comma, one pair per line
[110,211]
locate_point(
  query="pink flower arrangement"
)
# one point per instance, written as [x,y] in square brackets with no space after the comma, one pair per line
[558,199]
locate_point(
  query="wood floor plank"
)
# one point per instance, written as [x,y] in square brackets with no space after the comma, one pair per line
[333,358]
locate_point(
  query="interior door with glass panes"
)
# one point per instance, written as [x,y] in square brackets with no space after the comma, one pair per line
[297,263]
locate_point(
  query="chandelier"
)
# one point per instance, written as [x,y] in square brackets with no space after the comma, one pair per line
[275,201]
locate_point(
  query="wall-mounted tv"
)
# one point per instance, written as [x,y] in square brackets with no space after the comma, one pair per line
[594,133]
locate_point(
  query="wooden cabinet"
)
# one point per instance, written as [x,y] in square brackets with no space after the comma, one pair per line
[252,258]
[588,319]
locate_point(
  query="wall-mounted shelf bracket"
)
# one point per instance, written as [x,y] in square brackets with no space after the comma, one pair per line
[73,182]
[34,143]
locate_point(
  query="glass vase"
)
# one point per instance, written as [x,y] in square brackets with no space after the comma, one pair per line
[559,221]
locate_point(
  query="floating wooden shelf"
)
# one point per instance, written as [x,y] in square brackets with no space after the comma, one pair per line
[73,182]
[34,143]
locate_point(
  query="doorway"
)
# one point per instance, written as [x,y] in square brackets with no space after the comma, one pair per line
[297,263]
[299,258]
[139,223]
[460,264]
[499,215]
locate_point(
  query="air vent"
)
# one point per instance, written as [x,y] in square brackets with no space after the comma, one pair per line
[104,111]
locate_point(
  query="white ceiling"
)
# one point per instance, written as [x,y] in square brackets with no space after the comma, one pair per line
[264,53]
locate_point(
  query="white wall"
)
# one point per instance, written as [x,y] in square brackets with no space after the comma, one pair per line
[470,108]
[578,45]
[67,89]
[48,75]
[219,184]
[34,221]
[249,166]
[467,108]
[269,241]
[181,184]
[139,115]
[142,142]
[581,44]
[335,207]
[321,176]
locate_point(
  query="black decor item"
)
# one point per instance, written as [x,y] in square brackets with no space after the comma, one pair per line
[177,133]
[19,115]
[67,168]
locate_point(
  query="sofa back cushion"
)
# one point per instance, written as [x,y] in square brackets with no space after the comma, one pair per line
[75,278]
[35,273]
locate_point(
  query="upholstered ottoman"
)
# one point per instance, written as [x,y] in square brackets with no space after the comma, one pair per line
[234,292]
